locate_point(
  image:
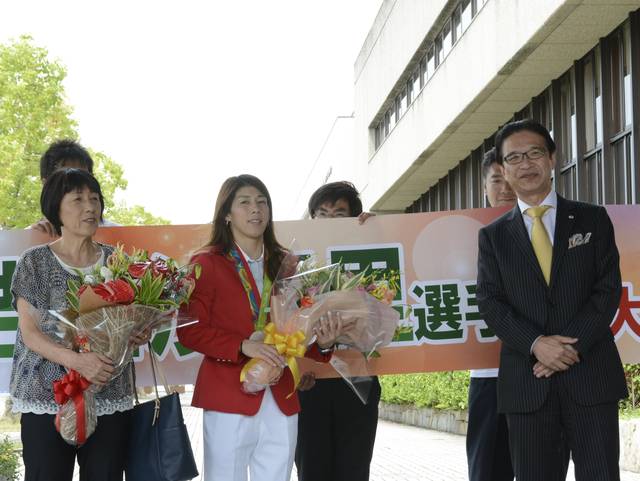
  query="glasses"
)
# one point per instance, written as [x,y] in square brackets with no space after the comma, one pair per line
[516,158]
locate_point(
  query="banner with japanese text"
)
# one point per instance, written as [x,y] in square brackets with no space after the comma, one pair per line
[435,254]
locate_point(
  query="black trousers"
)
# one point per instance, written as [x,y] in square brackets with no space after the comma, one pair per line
[540,440]
[336,432]
[47,457]
[488,455]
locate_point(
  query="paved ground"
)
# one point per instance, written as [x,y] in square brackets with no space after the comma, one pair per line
[402,453]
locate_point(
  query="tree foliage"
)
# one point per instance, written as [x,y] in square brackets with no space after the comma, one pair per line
[33,114]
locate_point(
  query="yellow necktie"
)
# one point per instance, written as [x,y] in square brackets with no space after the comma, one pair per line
[540,239]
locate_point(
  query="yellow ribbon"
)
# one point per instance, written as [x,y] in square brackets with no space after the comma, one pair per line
[288,345]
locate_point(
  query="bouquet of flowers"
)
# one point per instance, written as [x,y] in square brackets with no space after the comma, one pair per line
[298,302]
[364,301]
[131,294]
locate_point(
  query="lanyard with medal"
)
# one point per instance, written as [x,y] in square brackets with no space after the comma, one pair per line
[259,313]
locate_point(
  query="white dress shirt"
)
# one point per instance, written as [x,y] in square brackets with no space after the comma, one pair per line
[256,266]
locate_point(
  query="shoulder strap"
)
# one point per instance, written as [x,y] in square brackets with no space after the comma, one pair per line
[155,365]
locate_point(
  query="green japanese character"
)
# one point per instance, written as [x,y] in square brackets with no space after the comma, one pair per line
[472,313]
[440,317]
[6,273]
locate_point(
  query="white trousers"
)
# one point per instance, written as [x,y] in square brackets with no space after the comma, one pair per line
[261,446]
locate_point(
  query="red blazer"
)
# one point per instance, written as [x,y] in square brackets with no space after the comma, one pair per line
[220,304]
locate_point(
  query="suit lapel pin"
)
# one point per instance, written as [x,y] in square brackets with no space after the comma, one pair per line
[570,216]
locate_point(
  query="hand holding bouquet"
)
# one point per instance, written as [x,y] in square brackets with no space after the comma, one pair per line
[131,295]
[301,304]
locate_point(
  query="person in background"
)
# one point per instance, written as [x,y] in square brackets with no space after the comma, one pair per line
[548,285]
[336,431]
[488,457]
[253,433]
[72,202]
[62,154]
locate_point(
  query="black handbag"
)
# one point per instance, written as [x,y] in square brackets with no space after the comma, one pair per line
[159,446]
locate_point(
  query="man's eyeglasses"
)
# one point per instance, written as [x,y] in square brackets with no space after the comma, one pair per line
[515,158]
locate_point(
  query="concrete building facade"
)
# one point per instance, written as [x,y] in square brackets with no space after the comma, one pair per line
[436,79]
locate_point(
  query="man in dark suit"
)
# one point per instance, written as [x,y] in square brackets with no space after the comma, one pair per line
[549,285]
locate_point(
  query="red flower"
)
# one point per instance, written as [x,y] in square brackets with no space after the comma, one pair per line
[137,269]
[160,268]
[306,301]
[118,291]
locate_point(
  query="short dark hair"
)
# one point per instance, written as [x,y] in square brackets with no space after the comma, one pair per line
[60,183]
[488,160]
[518,126]
[61,152]
[333,192]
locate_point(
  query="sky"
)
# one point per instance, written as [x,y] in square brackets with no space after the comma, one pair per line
[185,94]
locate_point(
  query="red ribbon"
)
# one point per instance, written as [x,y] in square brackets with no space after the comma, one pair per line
[71,388]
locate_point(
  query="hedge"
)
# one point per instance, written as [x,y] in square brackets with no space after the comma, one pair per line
[441,390]
[448,390]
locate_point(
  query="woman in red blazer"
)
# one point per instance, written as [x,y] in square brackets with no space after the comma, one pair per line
[243,432]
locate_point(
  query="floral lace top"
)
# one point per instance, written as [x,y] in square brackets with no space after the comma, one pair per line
[41,280]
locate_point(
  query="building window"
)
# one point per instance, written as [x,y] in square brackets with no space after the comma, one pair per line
[524,114]
[598,94]
[443,194]
[417,83]
[593,174]
[619,168]
[467,167]
[476,178]
[393,115]
[626,72]
[619,181]
[379,134]
[569,132]
[544,110]
[434,199]
[457,23]
[447,39]
[621,99]
[401,104]
[387,123]
[430,64]
[591,87]
[568,182]
[438,50]
[423,203]
[467,13]
[454,188]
